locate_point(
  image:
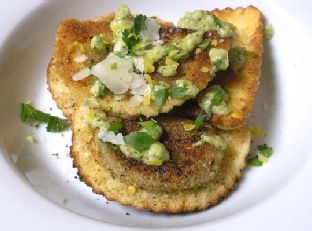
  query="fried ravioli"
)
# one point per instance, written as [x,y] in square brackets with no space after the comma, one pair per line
[90,157]
[69,93]
[240,87]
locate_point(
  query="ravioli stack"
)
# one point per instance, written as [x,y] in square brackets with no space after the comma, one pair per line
[157,110]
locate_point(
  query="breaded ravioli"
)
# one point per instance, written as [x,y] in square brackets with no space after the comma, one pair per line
[189,166]
[167,80]
[90,158]
[240,85]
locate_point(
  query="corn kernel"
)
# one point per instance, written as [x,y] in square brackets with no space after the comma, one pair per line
[148,65]
[257,131]
[131,190]
[205,69]
[214,42]
[147,96]
[30,139]
[188,127]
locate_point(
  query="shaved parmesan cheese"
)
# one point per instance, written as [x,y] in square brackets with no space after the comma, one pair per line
[116,73]
[81,59]
[138,63]
[80,75]
[111,137]
[151,34]
[135,100]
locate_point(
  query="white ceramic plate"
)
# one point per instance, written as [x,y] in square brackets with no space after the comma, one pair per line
[38,185]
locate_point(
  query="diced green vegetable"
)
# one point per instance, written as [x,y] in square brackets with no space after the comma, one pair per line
[152,128]
[265,150]
[268,32]
[98,43]
[160,97]
[178,92]
[115,126]
[199,120]
[254,161]
[140,141]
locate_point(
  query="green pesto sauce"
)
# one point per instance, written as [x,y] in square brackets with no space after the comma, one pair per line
[205,101]
[168,70]
[202,20]
[237,58]
[155,155]
[214,140]
[268,32]
[219,59]
[123,20]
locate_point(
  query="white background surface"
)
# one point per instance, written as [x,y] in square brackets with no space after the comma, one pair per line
[22,208]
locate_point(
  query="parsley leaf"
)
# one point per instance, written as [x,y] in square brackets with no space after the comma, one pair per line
[218,97]
[139,23]
[115,126]
[178,92]
[199,120]
[130,39]
[152,128]
[140,141]
[265,150]
[159,97]
[30,114]
[217,21]
[254,161]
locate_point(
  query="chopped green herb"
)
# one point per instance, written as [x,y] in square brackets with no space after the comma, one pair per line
[268,32]
[152,128]
[254,161]
[217,21]
[199,120]
[204,44]
[30,114]
[178,92]
[115,126]
[265,150]
[56,124]
[130,39]
[217,63]
[139,23]
[114,66]
[218,97]
[97,43]
[237,58]
[159,97]
[140,141]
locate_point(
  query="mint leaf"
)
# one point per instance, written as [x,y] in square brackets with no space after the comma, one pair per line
[254,161]
[140,141]
[56,124]
[139,23]
[218,97]
[30,114]
[265,150]
[178,92]
[115,126]
[199,120]
[159,97]
[152,128]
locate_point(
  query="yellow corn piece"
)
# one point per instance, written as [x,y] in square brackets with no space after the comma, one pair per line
[257,131]
[147,96]
[131,190]
[188,127]
[169,61]
[148,65]
[30,139]
[205,69]
[214,42]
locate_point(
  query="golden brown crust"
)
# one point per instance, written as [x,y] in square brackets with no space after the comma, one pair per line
[88,159]
[241,87]
[188,166]
[68,92]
